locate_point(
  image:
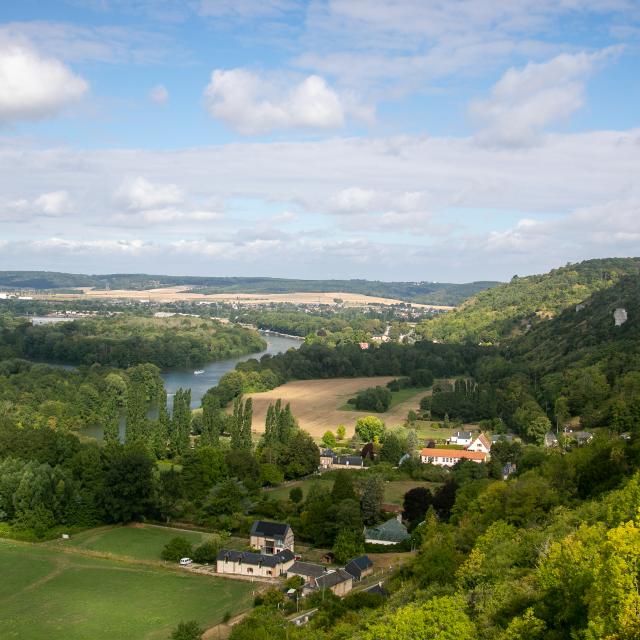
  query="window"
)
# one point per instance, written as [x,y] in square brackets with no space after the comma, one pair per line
[249,569]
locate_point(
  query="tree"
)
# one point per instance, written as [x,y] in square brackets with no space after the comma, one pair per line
[190,630]
[247,417]
[170,492]
[440,618]
[202,468]
[372,496]
[176,549]
[212,421]
[136,419]
[271,475]
[341,431]
[110,432]
[343,487]
[300,456]
[393,448]
[369,427]
[207,552]
[180,422]
[329,440]
[416,503]
[348,544]
[296,495]
[161,429]
[128,483]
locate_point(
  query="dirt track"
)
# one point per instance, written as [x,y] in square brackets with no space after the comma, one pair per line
[315,404]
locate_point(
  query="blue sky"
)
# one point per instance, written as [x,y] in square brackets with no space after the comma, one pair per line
[451,141]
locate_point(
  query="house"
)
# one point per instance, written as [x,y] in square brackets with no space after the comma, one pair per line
[359,567]
[550,439]
[508,469]
[481,443]
[377,589]
[449,457]
[306,570]
[582,437]
[331,460]
[463,438]
[388,533]
[271,537]
[260,565]
[338,581]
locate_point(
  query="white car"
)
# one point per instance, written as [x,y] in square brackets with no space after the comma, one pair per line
[185,561]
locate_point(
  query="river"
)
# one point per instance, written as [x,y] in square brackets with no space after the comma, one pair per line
[199,384]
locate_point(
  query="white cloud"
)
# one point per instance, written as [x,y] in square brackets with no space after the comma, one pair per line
[251,104]
[525,101]
[359,200]
[34,87]
[245,8]
[54,203]
[159,94]
[140,193]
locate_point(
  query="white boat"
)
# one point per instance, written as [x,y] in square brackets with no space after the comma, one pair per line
[197,372]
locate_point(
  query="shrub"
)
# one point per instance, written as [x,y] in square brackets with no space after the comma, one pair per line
[296,495]
[177,548]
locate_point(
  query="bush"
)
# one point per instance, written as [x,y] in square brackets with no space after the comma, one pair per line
[187,631]
[177,548]
[296,495]
[373,399]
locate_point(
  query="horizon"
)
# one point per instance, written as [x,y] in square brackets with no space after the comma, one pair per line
[390,141]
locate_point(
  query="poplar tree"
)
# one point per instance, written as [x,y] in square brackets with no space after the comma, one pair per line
[247,418]
[111,431]
[136,414]
[161,428]
[211,421]
[237,423]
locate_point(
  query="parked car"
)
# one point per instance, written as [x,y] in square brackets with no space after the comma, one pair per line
[185,561]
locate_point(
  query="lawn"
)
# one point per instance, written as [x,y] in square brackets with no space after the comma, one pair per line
[394,491]
[49,594]
[397,397]
[143,542]
[282,493]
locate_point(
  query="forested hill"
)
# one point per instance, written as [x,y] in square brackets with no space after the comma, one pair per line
[587,334]
[509,309]
[437,293]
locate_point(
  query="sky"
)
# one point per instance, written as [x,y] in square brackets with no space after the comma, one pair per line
[448,140]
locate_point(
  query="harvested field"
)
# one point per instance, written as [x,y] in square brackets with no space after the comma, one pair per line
[316,404]
[172,294]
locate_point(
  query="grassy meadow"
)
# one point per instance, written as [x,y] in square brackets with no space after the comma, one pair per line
[51,594]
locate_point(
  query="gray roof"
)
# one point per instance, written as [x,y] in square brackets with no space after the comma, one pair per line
[389,531]
[269,529]
[462,434]
[357,565]
[353,461]
[497,437]
[333,578]
[306,569]
[257,559]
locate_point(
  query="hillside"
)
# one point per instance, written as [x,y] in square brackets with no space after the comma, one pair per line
[586,334]
[437,293]
[507,310]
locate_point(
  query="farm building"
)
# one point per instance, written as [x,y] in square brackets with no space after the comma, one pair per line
[331,460]
[246,563]
[359,567]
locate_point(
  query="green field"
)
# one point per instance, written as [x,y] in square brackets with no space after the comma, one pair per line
[397,397]
[49,594]
[140,542]
[282,493]
[394,491]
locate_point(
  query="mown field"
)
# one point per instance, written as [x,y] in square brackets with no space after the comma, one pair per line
[137,541]
[52,594]
[317,404]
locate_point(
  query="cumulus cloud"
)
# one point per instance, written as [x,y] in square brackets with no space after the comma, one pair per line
[34,87]
[159,94]
[525,101]
[54,203]
[140,193]
[252,105]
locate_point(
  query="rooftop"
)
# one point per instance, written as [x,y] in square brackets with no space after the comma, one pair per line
[357,565]
[269,529]
[454,453]
[332,578]
[390,531]
[257,559]
[307,569]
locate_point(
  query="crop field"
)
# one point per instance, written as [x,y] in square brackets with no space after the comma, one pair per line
[53,594]
[317,404]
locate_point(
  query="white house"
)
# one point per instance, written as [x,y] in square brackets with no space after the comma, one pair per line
[449,457]
[463,438]
[271,537]
[481,443]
